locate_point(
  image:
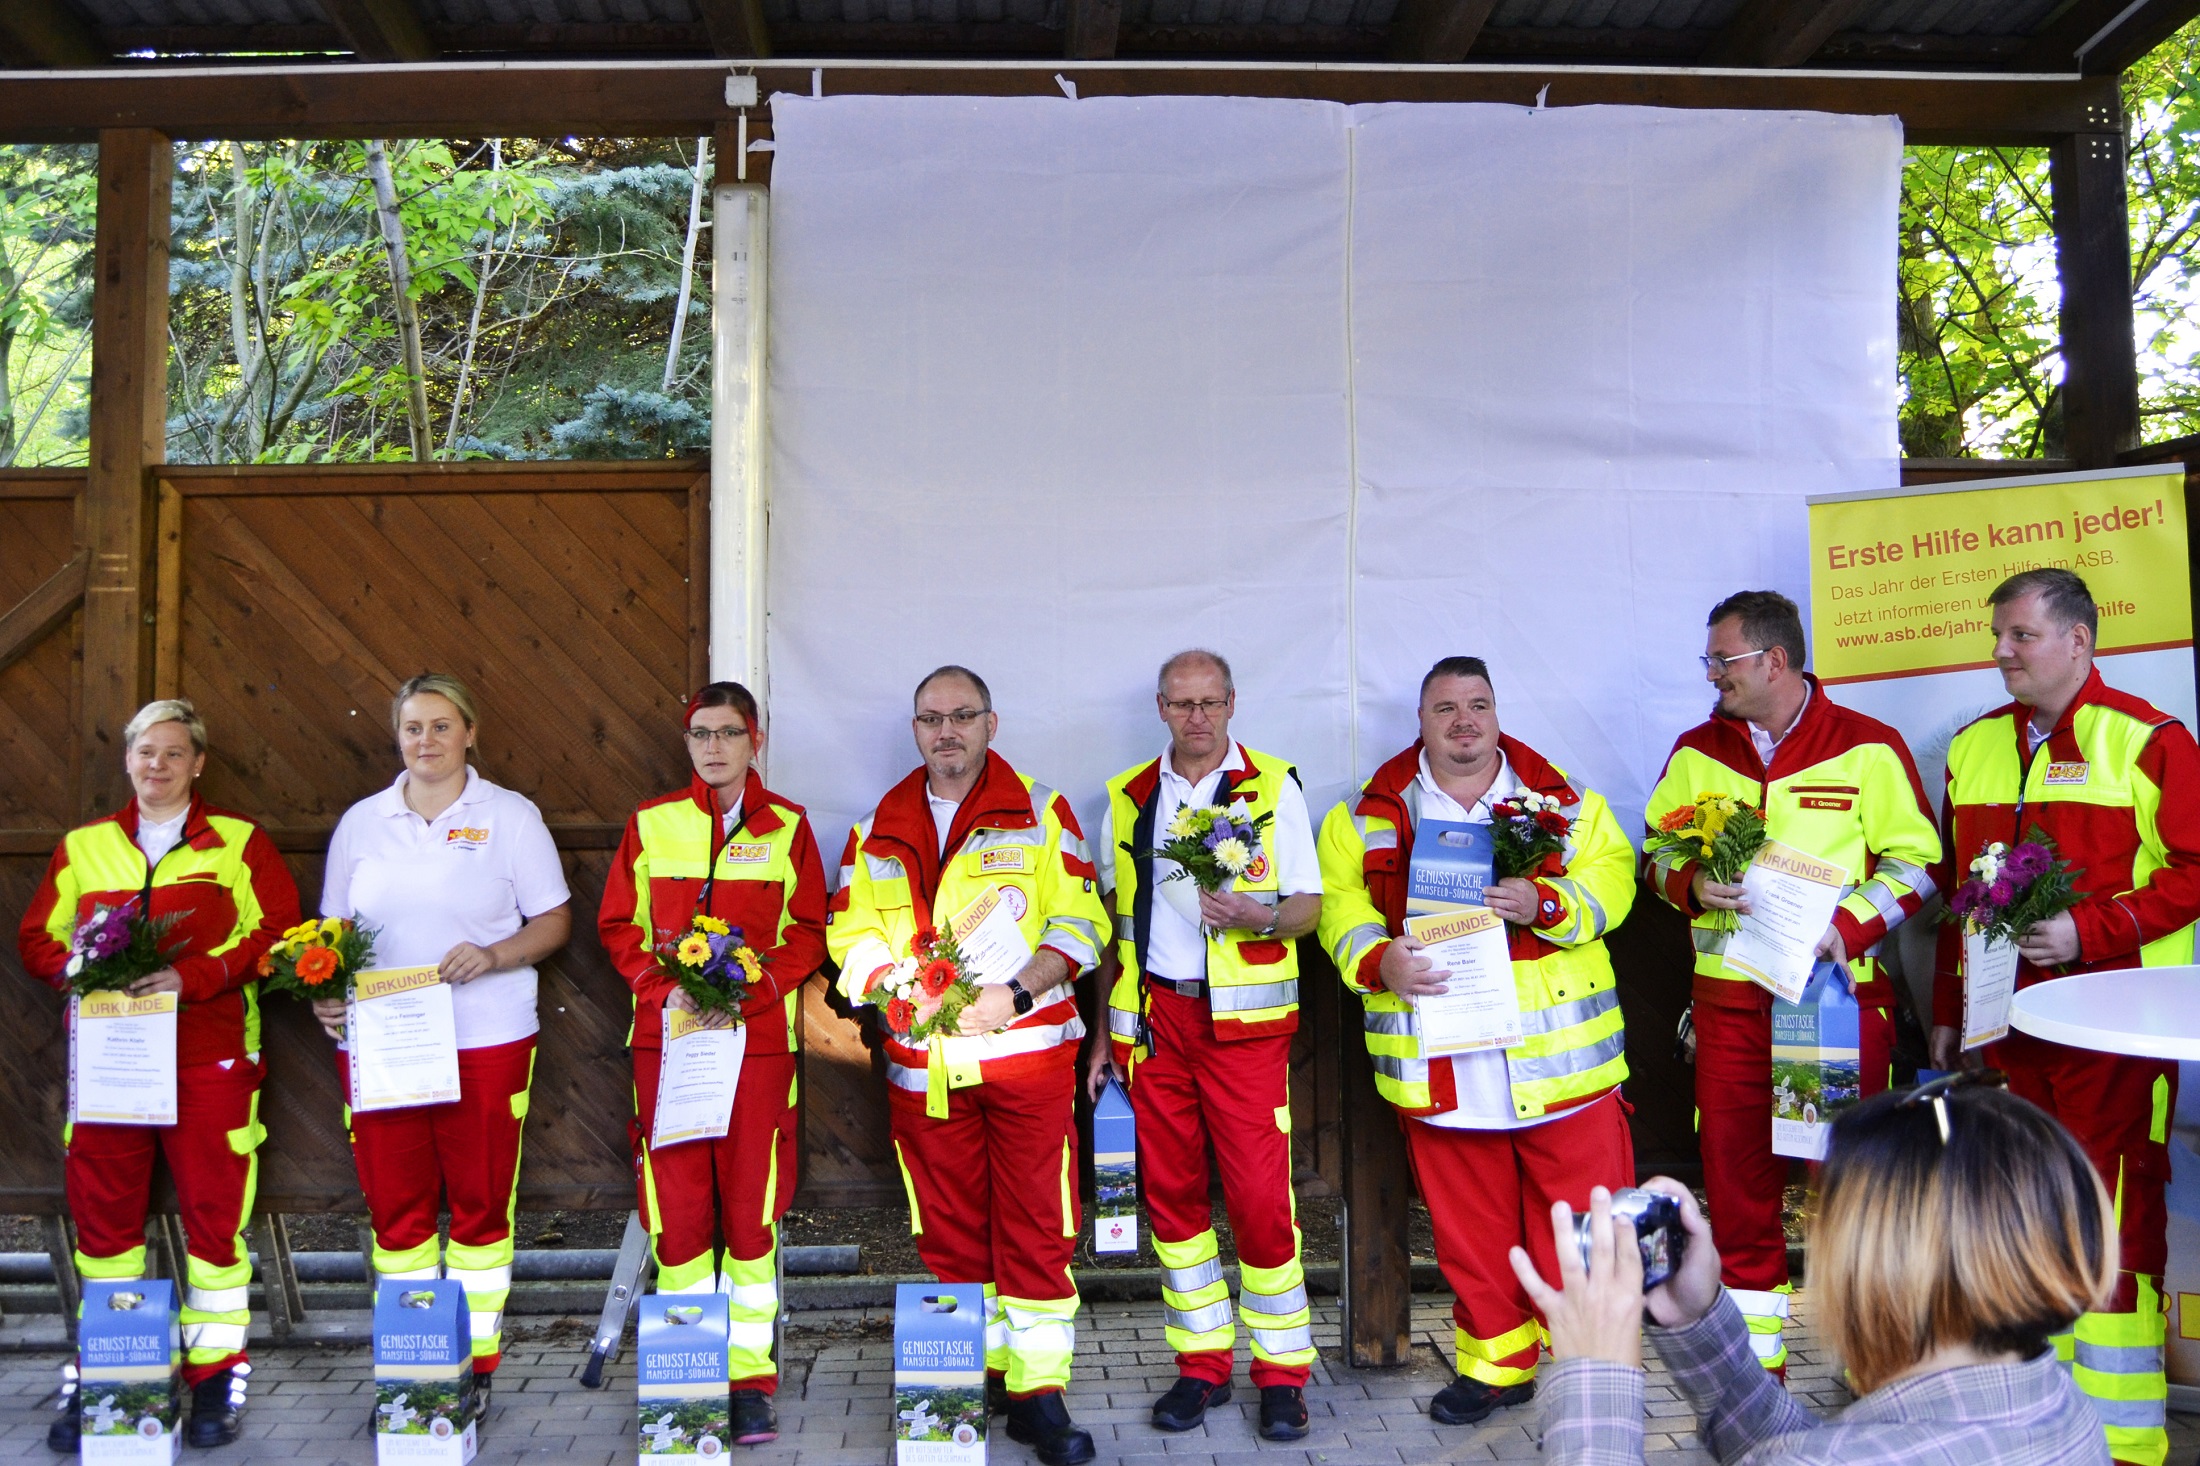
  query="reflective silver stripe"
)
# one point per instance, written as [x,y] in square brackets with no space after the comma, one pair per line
[1707,940]
[1074,844]
[2130,1414]
[904,1077]
[1191,1279]
[1356,943]
[987,838]
[1200,1320]
[1572,1061]
[1385,838]
[1405,1071]
[1910,875]
[1271,1305]
[1126,926]
[217,1300]
[1123,1023]
[1566,1015]
[1759,1305]
[1384,1021]
[1234,998]
[1883,899]
[1275,1342]
[1082,942]
[227,1337]
[2121,1359]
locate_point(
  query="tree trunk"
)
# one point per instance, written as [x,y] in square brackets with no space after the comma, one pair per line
[687,261]
[408,315]
[481,296]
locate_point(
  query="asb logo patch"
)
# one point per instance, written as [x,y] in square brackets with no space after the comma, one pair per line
[467,835]
[1014,899]
[1258,870]
[2068,773]
[1007,857]
[758,854]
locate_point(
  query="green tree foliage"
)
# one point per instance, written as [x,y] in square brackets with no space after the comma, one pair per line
[1978,297]
[46,199]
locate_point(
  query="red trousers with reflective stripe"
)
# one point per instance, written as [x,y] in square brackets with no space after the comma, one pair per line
[705,1189]
[108,1175]
[990,1204]
[1743,1180]
[1489,1191]
[467,1152]
[1194,1087]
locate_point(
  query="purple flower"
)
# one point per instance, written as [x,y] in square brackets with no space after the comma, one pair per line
[2028,862]
[2001,892]
[1968,898]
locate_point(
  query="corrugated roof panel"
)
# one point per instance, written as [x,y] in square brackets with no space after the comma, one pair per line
[1957,17]
[202,12]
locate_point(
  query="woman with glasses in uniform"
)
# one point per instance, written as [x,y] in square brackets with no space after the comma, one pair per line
[229,895]
[460,875]
[1959,1231]
[728,849]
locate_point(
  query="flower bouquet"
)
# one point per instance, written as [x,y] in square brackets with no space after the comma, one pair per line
[115,946]
[1720,833]
[318,959]
[1212,845]
[2012,890]
[713,964]
[926,991]
[1528,835]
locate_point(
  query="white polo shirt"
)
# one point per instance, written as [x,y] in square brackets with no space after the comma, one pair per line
[1174,947]
[473,874]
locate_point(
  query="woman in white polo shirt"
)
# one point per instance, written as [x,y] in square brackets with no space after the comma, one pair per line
[453,872]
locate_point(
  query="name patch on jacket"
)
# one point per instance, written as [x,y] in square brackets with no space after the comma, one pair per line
[758,854]
[2068,773]
[1006,857]
[1824,796]
[470,836]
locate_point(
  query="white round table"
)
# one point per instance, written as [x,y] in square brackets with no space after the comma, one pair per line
[2150,1012]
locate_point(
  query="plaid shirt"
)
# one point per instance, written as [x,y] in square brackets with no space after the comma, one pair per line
[2004,1414]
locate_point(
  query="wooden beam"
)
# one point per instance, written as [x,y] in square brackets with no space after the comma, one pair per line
[48,605]
[1781,32]
[737,28]
[2100,388]
[168,592]
[382,30]
[1375,1276]
[2134,33]
[129,425]
[47,33]
[685,98]
[1437,30]
[1092,30]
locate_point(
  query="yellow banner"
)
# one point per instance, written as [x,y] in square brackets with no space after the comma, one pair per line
[1898,582]
[383,982]
[113,1003]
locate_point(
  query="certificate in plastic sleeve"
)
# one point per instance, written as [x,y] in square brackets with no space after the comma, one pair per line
[701,1069]
[1480,1007]
[122,1059]
[985,932]
[1989,983]
[1792,896]
[404,1039]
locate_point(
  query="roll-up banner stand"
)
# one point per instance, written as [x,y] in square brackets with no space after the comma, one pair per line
[1901,630]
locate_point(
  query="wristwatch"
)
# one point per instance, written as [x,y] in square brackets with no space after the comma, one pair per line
[1270,929]
[1024,1000]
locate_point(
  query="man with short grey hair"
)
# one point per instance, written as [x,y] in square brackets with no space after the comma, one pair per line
[1201,1010]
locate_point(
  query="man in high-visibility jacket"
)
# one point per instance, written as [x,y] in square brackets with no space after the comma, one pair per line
[2114,783]
[1495,1136]
[1833,784]
[984,1119]
[1200,1018]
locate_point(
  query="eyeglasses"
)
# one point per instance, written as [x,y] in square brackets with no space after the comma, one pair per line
[704,737]
[1211,707]
[1721,664]
[1935,1092]
[961,718]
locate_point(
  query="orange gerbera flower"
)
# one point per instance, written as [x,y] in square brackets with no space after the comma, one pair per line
[1678,818]
[316,965]
[266,965]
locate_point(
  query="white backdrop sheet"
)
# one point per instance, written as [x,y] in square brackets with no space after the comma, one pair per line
[1058,388]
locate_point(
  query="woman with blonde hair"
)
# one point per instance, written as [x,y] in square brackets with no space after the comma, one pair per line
[1960,1231]
[458,874]
[217,876]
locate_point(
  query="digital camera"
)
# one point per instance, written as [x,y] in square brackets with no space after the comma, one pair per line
[1658,1231]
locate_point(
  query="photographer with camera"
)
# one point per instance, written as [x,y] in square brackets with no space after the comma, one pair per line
[1960,1229]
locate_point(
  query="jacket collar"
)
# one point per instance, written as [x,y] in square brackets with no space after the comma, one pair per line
[1809,724]
[998,801]
[1238,770]
[1387,789]
[198,831]
[2089,691]
[759,806]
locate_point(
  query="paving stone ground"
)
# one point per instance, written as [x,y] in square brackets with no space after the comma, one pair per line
[310,1404]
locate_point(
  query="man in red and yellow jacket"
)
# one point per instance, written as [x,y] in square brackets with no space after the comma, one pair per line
[2114,783]
[1833,784]
[983,1119]
[1495,1136]
[728,848]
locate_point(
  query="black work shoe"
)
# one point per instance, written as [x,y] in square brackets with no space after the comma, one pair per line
[217,1411]
[1282,1412]
[1187,1402]
[750,1420]
[1464,1401]
[996,1394]
[483,1379]
[66,1433]
[1042,1422]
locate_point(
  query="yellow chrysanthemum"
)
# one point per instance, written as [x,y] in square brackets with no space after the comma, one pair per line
[332,927]
[1185,822]
[694,951]
[712,925]
[301,931]
[750,967]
